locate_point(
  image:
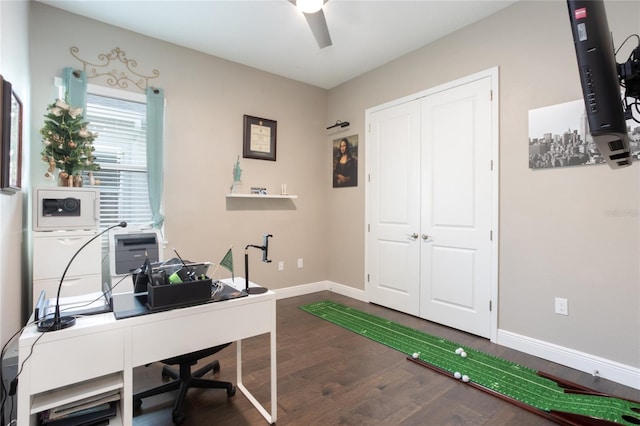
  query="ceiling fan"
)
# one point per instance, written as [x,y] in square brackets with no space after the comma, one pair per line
[312,11]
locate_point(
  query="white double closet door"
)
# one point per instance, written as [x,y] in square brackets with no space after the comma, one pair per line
[431,205]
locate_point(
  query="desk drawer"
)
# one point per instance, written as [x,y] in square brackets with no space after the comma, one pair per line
[191,329]
[76,359]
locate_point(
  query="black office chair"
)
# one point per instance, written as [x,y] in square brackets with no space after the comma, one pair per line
[185,379]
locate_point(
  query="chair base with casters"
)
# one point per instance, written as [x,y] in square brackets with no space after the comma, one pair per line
[184,379]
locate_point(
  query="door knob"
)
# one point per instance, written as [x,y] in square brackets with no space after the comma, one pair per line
[425,237]
[414,235]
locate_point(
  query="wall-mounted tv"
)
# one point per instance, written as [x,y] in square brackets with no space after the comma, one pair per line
[600,80]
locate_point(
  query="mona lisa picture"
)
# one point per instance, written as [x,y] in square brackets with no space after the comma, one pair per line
[345,162]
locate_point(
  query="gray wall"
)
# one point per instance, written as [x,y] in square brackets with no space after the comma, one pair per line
[206,98]
[570,232]
[14,67]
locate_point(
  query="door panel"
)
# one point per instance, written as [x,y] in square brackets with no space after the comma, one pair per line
[393,260]
[393,267]
[456,207]
[452,191]
[453,270]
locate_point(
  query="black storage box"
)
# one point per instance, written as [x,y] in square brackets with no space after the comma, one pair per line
[167,296]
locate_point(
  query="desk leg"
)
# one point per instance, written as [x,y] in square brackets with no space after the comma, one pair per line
[271,418]
[274,373]
[126,396]
[23,415]
[239,362]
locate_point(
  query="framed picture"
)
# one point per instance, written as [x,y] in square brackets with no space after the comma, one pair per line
[259,138]
[11,135]
[345,162]
[559,137]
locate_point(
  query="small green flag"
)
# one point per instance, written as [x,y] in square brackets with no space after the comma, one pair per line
[227,261]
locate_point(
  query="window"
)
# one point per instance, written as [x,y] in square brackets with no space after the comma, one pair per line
[119,118]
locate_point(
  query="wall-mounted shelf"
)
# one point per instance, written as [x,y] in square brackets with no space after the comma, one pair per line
[288,197]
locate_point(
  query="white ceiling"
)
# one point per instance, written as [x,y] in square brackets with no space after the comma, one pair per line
[272,35]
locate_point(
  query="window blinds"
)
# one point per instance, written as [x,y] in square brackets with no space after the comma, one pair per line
[120,149]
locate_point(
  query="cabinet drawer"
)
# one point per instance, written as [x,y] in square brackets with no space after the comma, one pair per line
[76,359]
[72,286]
[51,254]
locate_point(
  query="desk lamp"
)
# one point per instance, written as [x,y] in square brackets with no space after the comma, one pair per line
[265,254]
[59,322]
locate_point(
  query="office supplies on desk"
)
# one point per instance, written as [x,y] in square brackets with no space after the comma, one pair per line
[173,283]
[126,305]
[93,404]
[86,304]
[38,311]
[265,258]
[162,272]
[86,417]
[178,294]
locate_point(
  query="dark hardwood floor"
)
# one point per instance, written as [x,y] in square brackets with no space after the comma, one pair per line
[330,376]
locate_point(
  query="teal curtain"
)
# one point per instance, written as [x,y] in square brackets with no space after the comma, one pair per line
[75,88]
[155,133]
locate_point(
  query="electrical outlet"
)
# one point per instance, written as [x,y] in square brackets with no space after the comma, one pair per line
[300,263]
[281,266]
[562,306]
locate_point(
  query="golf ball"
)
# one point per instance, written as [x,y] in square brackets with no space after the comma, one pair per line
[465,378]
[416,355]
[457,375]
[459,351]
[463,354]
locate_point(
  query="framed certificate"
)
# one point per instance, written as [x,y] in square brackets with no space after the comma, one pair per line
[259,138]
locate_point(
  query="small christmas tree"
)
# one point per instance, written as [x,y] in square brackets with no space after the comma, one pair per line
[67,142]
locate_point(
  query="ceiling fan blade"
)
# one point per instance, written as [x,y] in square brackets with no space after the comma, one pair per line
[319,28]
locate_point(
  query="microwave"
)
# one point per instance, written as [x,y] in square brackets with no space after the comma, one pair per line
[62,208]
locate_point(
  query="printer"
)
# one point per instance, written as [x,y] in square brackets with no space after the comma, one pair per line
[128,251]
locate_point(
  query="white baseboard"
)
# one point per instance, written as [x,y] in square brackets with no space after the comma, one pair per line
[591,364]
[299,290]
[351,292]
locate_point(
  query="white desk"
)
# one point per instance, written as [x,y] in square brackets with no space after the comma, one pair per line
[99,353]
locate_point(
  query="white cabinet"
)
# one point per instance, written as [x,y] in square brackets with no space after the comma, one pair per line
[83,362]
[52,252]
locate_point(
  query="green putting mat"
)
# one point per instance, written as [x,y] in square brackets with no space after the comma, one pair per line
[497,375]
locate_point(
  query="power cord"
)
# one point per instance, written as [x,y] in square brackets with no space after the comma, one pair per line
[14,383]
